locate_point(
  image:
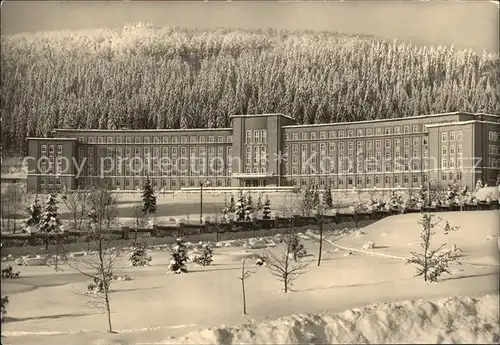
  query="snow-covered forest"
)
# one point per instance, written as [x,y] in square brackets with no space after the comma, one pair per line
[146,77]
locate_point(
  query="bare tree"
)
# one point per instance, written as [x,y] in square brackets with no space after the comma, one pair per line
[245,274]
[432,263]
[286,266]
[12,199]
[76,202]
[101,267]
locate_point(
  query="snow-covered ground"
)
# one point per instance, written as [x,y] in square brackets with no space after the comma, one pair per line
[46,308]
[453,320]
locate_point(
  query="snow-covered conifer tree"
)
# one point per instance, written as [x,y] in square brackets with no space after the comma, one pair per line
[240,208]
[34,211]
[49,220]
[327,197]
[266,209]
[138,256]
[259,203]
[148,198]
[179,257]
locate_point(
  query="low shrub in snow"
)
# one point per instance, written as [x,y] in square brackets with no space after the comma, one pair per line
[8,272]
[206,258]
[5,302]
[100,285]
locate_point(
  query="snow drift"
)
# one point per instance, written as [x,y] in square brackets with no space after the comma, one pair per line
[448,320]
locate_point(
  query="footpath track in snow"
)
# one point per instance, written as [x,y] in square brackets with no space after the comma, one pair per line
[389,256]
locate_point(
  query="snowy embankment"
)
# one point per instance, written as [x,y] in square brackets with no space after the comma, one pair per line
[447,320]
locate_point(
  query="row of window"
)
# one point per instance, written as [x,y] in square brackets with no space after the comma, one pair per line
[43,150]
[135,184]
[256,136]
[361,181]
[308,134]
[360,168]
[451,163]
[445,150]
[368,156]
[155,152]
[258,153]
[360,145]
[155,140]
[450,136]
[494,163]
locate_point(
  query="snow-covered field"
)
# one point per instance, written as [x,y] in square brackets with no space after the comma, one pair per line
[46,308]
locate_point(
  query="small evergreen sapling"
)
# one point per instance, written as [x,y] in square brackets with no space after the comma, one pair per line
[411,202]
[259,205]
[266,209]
[34,211]
[179,257]
[479,185]
[432,263]
[249,207]
[240,208]
[138,256]
[327,197]
[395,202]
[232,206]
[206,258]
[148,198]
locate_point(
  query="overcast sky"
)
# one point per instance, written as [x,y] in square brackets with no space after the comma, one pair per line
[473,25]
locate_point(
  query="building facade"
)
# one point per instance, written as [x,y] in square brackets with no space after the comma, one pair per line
[272,150]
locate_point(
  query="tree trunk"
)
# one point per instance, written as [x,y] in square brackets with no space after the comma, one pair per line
[285,273]
[108,308]
[243,288]
[244,296]
[57,250]
[320,240]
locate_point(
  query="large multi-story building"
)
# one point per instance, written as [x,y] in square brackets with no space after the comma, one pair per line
[272,150]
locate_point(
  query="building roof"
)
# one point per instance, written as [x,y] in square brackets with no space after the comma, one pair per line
[459,123]
[417,117]
[262,115]
[46,139]
[141,130]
